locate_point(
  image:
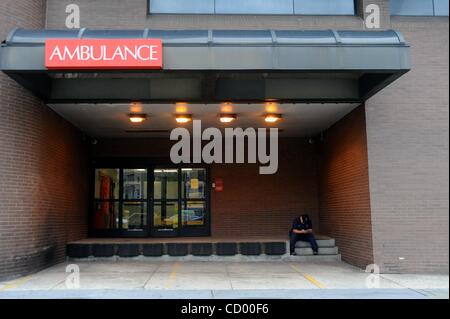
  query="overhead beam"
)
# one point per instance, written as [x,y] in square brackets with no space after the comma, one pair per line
[209,89]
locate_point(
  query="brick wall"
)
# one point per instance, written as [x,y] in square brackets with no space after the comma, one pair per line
[407,129]
[344,199]
[251,205]
[42,162]
[265,205]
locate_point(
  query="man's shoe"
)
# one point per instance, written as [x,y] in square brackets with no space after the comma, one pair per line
[315,252]
[294,254]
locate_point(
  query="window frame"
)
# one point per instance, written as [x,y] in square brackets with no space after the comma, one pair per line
[355,12]
[433,2]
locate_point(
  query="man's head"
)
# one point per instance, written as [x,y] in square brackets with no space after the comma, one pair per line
[304,218]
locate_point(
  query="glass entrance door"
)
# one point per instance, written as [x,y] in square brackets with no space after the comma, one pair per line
[194,217]
[134,200]
[166,202]
[138,199]
[180,202]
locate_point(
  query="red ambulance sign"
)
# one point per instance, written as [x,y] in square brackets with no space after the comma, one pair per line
[103,54]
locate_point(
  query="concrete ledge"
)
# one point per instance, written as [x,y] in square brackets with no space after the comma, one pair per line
[128,250]
[152,250]
[226,249]
[250,249]
[317,258]
[215,258]
[177,249]
[102,250]
[201,249]
[320,242]
[322,251]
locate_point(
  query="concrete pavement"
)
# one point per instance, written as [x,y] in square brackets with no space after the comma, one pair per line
[204,280]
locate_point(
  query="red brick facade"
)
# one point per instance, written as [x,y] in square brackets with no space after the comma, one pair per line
[43,193]
[43,185]
[265,205]
[344,197]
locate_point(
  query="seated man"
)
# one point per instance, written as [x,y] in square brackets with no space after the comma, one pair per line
[302,230]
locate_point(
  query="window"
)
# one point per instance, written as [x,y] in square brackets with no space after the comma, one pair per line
[149,200]
[441,8]
[419,7]
[106,198]
[113,210]
[135,183]
[324,7]
[165,194]
[283,7]
[182,6]
[134,215]
[134,205]
[193,196]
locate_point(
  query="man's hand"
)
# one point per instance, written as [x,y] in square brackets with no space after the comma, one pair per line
[308,231]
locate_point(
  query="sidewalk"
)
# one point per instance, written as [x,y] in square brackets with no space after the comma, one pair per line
[204,280]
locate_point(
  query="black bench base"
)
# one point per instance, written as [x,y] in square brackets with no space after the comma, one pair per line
[82,250]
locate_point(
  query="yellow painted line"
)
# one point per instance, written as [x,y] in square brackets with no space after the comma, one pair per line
[15,283]
[310,278]
[173,275]
[314,281]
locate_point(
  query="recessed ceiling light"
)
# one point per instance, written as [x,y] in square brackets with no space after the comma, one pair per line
[137,118]
[227,118]
[272,118]
[183,118]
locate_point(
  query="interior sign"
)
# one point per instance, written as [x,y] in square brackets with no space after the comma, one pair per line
[103,54]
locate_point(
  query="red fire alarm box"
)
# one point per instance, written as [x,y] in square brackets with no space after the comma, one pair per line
[218,185]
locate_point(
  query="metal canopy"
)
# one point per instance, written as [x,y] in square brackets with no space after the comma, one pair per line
[209,66]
